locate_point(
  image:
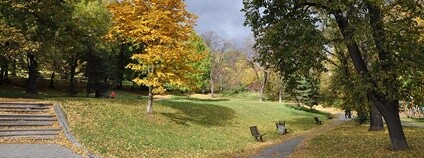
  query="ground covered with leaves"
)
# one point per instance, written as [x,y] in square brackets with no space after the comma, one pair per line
[204,127]
[352,140]
[180,126]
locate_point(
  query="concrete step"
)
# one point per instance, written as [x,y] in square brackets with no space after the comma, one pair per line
[25,104]
[25,115]
[32,137]
[27,119]
[23,107]
[22,110]
[26,123]
[29,132]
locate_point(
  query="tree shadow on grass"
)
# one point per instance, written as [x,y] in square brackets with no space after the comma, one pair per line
[198,113]
[418,119]
[306,109]
[301,123]
[9,91]
[207,100]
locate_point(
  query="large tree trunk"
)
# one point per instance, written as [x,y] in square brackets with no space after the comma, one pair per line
[280,91]
[13,71]
[261,97]
[388,110]
[6,72]
[32,70]
[2,69]
[376,120]
[51,84]
[121,68]
[150,101]
[72,90]
[212,87]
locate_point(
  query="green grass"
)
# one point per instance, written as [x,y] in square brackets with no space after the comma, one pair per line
[352,140]
[179,127]
[202,127]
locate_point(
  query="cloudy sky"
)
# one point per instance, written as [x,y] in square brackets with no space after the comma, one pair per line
[221,16]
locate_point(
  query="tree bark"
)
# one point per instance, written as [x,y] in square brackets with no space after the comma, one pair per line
[121,68]
[72,71]
[51,84]
[2,69]
[280,92]
[376,120]
[150,101]
[6,71]
[13,71]
[212,87]
[32,73]
[261,97]
[389,110]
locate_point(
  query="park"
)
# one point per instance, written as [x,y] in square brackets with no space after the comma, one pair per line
[133,78]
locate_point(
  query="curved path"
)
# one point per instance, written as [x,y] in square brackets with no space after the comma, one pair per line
[286,148]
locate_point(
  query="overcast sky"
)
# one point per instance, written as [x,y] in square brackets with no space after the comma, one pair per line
[221,16]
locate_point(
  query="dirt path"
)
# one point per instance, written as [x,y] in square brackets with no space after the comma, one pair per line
[284,149]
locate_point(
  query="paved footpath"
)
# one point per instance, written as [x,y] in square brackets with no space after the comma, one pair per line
[35,151]
[286,148]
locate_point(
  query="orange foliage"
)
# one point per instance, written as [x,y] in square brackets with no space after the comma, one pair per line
[164,28]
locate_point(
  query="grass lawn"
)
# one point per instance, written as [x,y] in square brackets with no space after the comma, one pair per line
[179,127]
[202,127]
[352,140]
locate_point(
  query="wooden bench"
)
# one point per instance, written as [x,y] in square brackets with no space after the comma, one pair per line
[255,133]
[317,121]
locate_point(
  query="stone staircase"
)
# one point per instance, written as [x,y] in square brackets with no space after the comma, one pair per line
[28,121]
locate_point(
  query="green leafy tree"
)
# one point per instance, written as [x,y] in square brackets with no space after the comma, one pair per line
[13,43]
[307,91]
[39,22]
[286,26]
[203,66]
[92,20]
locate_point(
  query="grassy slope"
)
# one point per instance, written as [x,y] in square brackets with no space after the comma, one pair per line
[352,140]
[180,127]
[184,127]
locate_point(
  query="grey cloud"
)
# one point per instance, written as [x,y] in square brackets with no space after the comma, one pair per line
[221,16]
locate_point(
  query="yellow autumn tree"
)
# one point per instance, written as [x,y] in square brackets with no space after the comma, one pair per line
[164,28]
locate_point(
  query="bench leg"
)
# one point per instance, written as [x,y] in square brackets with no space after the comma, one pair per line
[259,138]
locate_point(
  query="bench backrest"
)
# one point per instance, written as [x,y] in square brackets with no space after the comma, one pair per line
[254,131]
[316,119]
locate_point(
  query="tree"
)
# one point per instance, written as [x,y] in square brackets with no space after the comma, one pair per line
[264,82]
[92,21]
[342,88]
[12,44]
[275,20]
[252,56]
[202,76]
[164,28]
[216,44]
[307,91]
[39,22]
